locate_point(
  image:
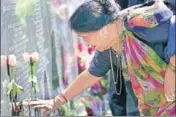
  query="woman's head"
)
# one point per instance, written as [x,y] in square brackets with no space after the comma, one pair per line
[93,22]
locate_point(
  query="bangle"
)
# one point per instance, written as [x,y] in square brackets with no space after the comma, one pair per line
[172,67]
[62,96]
[58,101]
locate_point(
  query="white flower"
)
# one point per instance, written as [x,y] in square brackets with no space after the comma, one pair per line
[62,11]
[12,60]
[35,56]
[3,60]
[26,57]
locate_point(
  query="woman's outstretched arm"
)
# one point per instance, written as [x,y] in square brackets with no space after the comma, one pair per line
[81,83]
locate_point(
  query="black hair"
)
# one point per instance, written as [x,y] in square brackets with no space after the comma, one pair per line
[93,15]
[123,3]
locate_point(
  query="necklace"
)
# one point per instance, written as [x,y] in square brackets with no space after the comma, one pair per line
[118,71]
[119,63]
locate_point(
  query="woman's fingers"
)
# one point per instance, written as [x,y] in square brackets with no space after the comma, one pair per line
[39,107]
[47,112]
[170,98]
[34,103]
[46,105]
[47,109]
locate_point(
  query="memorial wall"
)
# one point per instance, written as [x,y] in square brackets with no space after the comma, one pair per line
[37,39]
[34,26]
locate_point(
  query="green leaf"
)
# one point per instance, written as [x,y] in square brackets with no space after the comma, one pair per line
[24,8]
[10,87]
[15,89]
[19,88]
[34,79]
[36,88]
[30,79]
[5,86]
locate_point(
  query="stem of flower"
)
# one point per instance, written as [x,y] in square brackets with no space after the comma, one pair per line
[32,66]
[8,68]
[12,69]
[9,75]
[13,97]
[31,84]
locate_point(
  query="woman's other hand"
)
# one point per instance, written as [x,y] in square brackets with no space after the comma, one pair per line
[169,81]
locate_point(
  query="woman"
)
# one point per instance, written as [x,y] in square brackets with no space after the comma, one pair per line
[137,59]
[117,105]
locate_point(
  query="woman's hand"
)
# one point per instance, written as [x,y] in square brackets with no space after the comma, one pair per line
[48,106]
[169,86]
[169,81]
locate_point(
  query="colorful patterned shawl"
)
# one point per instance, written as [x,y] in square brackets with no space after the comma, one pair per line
[146,70]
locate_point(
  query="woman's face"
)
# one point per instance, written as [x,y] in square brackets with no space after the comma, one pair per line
[101,39]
